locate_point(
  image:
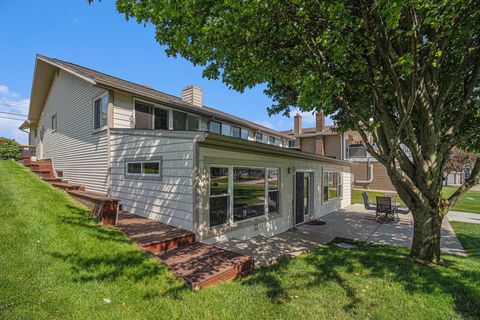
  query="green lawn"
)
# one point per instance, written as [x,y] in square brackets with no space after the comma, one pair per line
[470,202]
[56,262]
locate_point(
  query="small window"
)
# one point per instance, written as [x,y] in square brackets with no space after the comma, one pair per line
[273,191]
[271,140]
[258,137]
[54,122]
[236,132]
[143,169]
[193,123]
[179,121]
[215,127]
[291,143]
[100,113]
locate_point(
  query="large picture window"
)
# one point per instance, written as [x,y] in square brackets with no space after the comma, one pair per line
[100,112]
[332,185]
[219,196]
[248,193]
[241,193]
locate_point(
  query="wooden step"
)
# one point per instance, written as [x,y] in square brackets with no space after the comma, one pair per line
[49,179]
[152,235]
[102,206]
[67,186]
[202,265]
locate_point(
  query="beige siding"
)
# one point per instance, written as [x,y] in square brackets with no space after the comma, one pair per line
[73,148]
[122,110]
[307,144]
[333,146]
[169,200]
[271,224]
[381,180]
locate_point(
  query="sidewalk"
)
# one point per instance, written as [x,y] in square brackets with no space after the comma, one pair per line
[463,217]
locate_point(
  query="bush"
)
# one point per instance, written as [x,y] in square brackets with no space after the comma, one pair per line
[9,149]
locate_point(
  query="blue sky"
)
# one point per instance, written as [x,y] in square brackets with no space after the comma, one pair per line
[97,36]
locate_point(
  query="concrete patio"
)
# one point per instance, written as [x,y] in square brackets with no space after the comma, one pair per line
[353,222]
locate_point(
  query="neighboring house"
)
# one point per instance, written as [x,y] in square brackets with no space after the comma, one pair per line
[175,160]
[324,140]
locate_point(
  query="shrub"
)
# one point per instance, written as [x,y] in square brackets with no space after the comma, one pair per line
[9,149]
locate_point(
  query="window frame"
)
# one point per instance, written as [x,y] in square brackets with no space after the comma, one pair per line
[54,122]
[100,97]
[142,175]
[259,134]
[210,126]
[339,185]
[228,194]
[230,218]
[271,140]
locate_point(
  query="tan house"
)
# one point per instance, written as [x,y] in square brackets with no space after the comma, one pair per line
[324,140]
[175,160]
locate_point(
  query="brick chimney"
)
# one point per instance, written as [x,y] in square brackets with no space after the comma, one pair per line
[320,121]
[297,124]
[193,95]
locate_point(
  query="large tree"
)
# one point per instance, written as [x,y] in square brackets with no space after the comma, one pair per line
[404,74]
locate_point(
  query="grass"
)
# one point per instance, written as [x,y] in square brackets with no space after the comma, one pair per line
[56,262]
[470,202]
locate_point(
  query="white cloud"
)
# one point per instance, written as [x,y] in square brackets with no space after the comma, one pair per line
[9,129]
[4,91]
[265,123]
[308,118]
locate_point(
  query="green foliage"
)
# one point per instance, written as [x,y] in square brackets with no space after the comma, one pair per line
[9,149]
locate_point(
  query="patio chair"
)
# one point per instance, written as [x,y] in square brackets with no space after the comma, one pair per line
[368,205]
[384,205]
[402,210]
[392,195]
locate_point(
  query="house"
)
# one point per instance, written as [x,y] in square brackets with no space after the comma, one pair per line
[324,140]
[174,160]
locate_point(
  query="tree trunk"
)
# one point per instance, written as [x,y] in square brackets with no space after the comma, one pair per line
[426,235]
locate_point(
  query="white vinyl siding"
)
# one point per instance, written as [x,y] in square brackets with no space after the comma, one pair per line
[73,148]
[169,200]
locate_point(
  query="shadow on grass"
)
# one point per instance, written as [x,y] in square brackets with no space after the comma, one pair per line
[332,264]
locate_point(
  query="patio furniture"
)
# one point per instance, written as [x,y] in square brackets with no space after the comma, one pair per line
[388,207]
[392,195]
[368,205]
[403,210]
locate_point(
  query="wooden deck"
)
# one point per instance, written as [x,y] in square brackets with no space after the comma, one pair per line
[152,235]
[199,265]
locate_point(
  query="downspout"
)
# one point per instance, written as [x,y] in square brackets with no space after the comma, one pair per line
[369,174]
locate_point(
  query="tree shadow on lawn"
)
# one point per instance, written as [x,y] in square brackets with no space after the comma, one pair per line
[332,264]
[116,256]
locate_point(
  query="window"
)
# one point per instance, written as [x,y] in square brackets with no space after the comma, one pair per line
[143,169]
[193,123]
[54,122]
[215,127]
[245,134]
[332,185]
[258,137]
[143,115]
[161,119]
[226,129]
[219,196]
[271,140]
[307,192]
[248,193]
[179,121]
[148,117]
[291,143]
[100,112]
[236,132]
[273,191]
[241,193]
